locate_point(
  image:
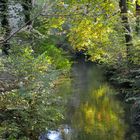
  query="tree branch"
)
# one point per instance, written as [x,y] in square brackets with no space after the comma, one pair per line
[12,35]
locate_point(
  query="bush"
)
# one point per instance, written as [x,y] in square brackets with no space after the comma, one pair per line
[34,107]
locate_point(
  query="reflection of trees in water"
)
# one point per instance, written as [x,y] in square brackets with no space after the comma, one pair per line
[99,117]
[93,112]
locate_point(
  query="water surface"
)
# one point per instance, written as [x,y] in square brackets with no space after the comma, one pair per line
[93,112]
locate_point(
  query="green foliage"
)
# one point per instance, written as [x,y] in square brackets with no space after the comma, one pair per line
[34,107]
[24,63]
[30,114]
[37,66]
[136,51]
[92,26]
[56,55]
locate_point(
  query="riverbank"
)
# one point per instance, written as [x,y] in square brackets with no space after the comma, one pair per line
[127,83]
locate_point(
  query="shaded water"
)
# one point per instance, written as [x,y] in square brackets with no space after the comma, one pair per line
[93,112]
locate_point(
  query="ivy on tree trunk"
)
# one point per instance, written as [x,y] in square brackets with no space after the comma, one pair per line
[5,24]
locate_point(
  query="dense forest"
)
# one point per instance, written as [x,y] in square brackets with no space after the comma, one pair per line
[69,69]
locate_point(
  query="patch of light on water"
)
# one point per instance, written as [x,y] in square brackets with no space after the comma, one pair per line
[63,133]
[66,130]
[54,135]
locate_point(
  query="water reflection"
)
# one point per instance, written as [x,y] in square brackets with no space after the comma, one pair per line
[64,132]
[54,135]
[93,112]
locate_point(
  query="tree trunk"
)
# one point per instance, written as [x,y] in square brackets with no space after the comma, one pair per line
[5,24]
[27,7]
[137,18]
[125,22]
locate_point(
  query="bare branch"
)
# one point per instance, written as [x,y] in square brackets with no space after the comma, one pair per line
[13,34]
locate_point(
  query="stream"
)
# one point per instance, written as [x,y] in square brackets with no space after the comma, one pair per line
[93,112]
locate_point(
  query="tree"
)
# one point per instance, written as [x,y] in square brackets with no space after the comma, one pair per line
[27,6]
[5,25]
[137,17]
[125,22]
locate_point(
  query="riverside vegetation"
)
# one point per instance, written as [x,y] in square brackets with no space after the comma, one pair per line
[40,41]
